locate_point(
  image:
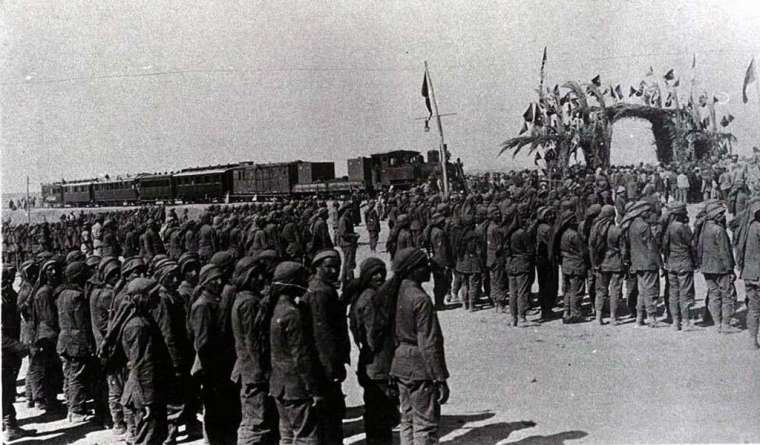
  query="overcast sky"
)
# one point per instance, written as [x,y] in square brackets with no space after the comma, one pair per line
[122,87]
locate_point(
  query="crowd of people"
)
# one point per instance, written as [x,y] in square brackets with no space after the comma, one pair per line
[244,314]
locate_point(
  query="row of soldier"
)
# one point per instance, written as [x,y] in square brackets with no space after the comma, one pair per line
[152,337]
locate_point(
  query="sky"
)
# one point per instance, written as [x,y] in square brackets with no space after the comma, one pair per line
[90,88]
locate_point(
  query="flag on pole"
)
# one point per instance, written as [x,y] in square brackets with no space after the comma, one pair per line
[748,79]
[426,95]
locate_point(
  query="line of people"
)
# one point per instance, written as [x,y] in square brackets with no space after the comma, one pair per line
[255,335]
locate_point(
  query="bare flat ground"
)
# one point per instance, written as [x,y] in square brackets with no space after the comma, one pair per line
[557,384]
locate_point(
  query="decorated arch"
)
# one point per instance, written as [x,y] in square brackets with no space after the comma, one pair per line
[579,117]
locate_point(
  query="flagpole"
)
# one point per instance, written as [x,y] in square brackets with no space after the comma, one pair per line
[28,203]
[757,87]
[442,148]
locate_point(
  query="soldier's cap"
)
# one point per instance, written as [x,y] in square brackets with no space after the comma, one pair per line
[593,211]
[74,270]
[187,259]
[130,264]
[142,286]
[677,208]
[208,273]
[714,210]
[92,261]
[107,266]
[407,259]
[26,265]
[607,211]
[289,274]
[223,259]
[74,255]
[543,213]
[370,266]
[266,255]
[164,268]
[323,255]
[156,260]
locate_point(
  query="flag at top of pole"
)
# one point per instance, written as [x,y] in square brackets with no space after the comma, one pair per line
[749,77]
[426,95]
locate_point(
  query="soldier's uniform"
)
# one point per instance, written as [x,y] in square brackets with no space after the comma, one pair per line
[520,254]
[295,379]
[372,222]
[748,252]
[546,268]
[347,241]
[679,256]
[469,264]
[440,259]
[13,351]
[606,250]
[574,269]
[495,240]
[330,332]
[419,362]
[44,366]
[645,263]
[716,261]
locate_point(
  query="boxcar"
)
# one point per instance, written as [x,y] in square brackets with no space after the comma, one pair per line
[52,194]
[115,191]
[152,188]
[209,185]
[77,194]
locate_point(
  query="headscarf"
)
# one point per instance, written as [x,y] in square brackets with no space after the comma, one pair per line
[597,239]
[367,269]
[741,234]
[638,209]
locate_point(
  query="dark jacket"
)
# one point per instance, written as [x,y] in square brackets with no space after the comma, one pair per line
[207,241]
[44,316]
[375,345]
[101,299]
[330,328]
[521,253]
[75,337]
[13,349]
[207,338]
[171,318]
[574,253]
[751,269]
[614,252]
[250,365]
[294,362]
[419,353]
[678,248]
[148,363]
[439,246]
[715,254]
[644,251]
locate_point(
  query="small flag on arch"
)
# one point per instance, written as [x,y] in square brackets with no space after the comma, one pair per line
[749,77]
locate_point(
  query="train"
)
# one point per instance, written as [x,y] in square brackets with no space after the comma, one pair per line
[246,181]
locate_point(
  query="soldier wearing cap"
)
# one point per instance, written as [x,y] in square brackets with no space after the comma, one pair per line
[372,222]
[570,248]
[148,364]
[207,239]
[469,264]
[13,352]
[76,345]
[296,382]
[606,249]
[441,258]
[250,327]
[221,412]
[644,259]
[44,366]
[747,253]
[330,332]
[101,299]
[189,266]
[716,262]
[546,268]
[320,235]
[419,362]
[495,240]
[347,241]
[520,253]
[170,316]
[678,252]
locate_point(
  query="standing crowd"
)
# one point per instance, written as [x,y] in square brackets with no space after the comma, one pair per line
[244,315]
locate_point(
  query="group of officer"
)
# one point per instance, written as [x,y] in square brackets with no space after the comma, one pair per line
[243,314]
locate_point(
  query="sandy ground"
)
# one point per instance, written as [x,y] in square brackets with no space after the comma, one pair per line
[556,384]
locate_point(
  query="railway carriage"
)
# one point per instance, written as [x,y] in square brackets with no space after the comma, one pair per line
[119,191]
[155,187]
[203,185]
[52,194]
[77,193]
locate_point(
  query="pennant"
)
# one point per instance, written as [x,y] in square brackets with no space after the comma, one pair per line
[632,92]
[669,75]
[619,91]
[694,61]
[556,89]
[537,158]
[426,95]
[541,79]
[612,92]
[749,77]
[597,80]
[726,120]
[669,100]
[650,72]
[530,113]
[524,127]
[677,82]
